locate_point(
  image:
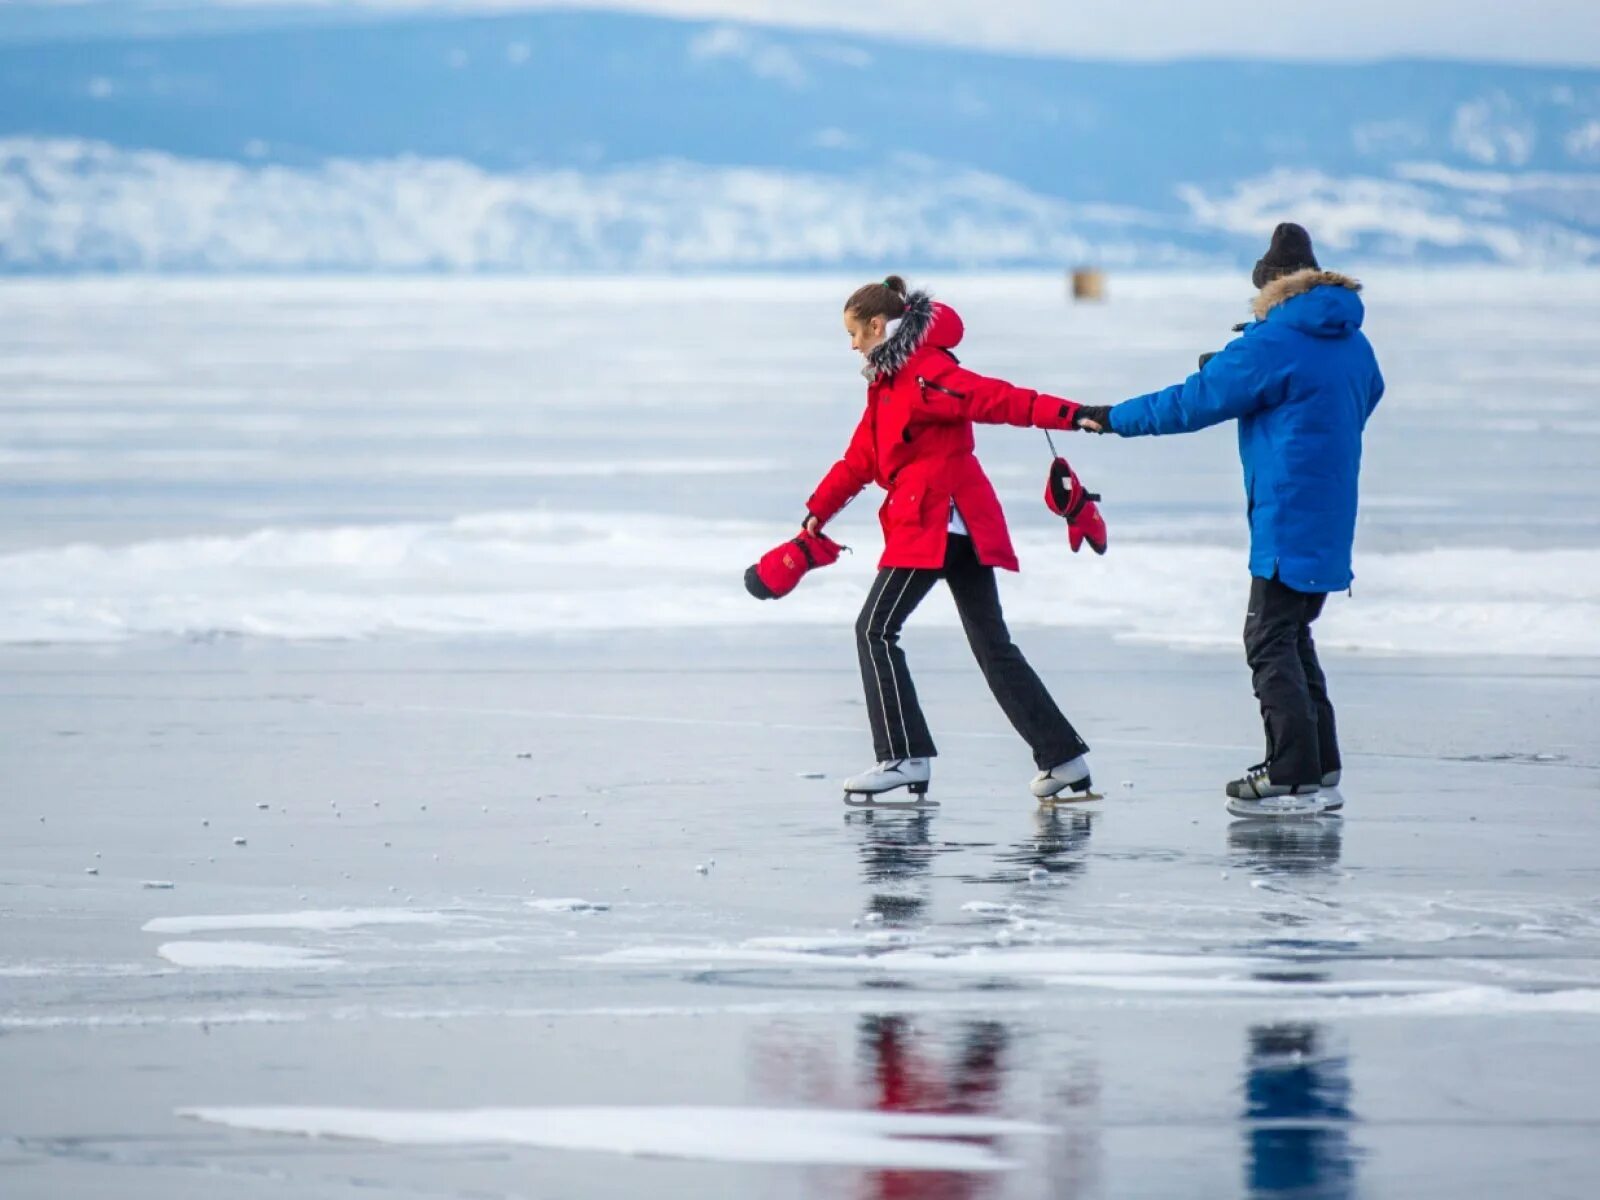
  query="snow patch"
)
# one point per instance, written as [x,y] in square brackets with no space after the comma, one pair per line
[1063,964]
[1486,1000]
[1493,130]
[568,905]
[899,1141]
[252,956]
[765,59]
[315,921]
[527,574]
[1583,143]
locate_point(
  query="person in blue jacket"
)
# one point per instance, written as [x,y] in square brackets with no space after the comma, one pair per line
[1301,380]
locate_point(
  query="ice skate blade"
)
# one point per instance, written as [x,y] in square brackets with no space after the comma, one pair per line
[1068,797]
[1280,806]
[876,800]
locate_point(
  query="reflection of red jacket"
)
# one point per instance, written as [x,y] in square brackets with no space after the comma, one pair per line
[915,441]
[907,1082]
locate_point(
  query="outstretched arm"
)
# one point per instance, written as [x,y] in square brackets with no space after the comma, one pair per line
[845,478]
[1232,384]
[957,394]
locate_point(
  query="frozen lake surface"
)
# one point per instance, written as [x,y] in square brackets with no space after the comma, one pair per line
[398,628]
[335,459]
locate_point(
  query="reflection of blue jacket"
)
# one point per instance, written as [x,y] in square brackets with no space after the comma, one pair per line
[1302,381]
[1298,1105]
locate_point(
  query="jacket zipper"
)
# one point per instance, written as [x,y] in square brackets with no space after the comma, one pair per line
[939,387]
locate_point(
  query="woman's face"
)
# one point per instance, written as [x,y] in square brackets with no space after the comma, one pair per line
[865,336]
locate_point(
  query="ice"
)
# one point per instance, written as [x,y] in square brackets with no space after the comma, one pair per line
[903,1141]
[1484,1000]
[477,577]
[990,908]
[320,921]
[568,904]
[269,543]
[253,956]
[146,1020]
[1438,572]
[1053,964]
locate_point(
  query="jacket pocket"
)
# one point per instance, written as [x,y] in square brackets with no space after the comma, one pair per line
[937,402]
[902,509]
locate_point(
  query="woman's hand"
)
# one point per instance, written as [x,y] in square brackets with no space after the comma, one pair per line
[812,526]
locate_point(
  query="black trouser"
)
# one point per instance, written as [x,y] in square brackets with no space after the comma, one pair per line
[1302,739]
[898,727]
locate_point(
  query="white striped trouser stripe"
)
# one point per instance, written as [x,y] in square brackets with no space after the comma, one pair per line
[905,736]
[872,624]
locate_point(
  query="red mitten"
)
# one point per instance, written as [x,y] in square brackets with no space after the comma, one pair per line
[1066,496]
[781,568]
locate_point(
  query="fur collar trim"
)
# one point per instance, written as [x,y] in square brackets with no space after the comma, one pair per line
[896,350]
[1287,287]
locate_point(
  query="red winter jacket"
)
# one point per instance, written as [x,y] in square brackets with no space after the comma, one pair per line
[915,441]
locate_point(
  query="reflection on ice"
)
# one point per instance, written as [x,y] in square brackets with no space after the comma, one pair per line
[1305,846]
[1297,1104]
[898,1061]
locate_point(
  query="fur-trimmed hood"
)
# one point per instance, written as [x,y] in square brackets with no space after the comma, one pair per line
[1328,304]
[924,323]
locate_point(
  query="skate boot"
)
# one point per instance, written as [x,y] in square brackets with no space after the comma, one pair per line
[1332,800]
[1064,783]
[1255,795]
[868,789]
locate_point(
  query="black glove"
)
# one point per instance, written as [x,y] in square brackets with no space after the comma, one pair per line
[1100,414]
[1205,358]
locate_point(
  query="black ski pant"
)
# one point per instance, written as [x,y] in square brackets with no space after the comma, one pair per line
[1302,739]
[898,727]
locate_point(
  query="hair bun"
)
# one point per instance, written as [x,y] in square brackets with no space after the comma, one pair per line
[895,284]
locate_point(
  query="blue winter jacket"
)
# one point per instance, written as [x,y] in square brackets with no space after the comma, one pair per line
[1302,381]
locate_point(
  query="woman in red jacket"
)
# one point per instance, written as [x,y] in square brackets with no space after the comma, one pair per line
[941,520]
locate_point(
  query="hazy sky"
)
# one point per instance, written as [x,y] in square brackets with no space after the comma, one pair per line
[1532,30]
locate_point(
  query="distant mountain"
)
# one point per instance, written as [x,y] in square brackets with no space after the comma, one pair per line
[31,21]
[71,206]
[578,141]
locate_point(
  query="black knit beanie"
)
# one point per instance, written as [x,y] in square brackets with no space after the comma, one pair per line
[1290,252]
